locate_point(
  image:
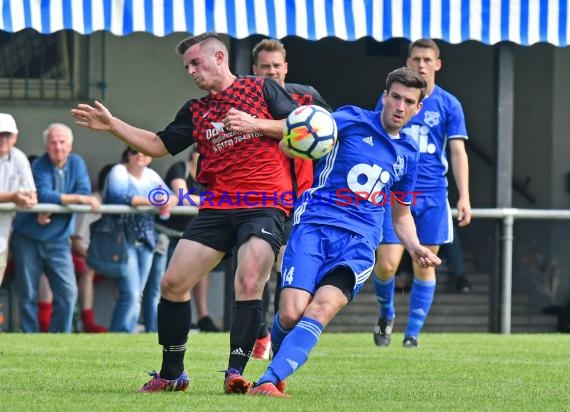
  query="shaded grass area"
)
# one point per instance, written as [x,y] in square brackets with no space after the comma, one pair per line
[345,372]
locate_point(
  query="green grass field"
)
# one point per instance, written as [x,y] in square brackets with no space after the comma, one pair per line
[345,372]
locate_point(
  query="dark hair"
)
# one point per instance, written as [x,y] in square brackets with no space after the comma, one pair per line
[126,152]
[268,45]
[408,78]
[424,44]
[102,177]
[192,40]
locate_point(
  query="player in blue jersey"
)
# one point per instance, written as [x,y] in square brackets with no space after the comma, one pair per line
[269,59]
[439,122]
[337,222]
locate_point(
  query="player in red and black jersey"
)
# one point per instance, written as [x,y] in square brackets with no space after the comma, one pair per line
[248,199]
[269,59]
[235,161]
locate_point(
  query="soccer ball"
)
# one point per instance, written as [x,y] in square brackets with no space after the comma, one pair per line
[309,132]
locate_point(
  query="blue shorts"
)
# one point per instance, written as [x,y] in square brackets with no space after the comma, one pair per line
[313,251]
[432,216]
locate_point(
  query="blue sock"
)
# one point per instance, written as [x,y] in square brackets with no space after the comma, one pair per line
[294,350]
[278,333]
[385,296]
[421,298]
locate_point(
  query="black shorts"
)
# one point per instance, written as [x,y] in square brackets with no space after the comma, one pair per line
[287,229]
[225,230]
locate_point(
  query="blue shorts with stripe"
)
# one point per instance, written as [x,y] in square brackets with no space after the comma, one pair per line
[313,251]
[432,216]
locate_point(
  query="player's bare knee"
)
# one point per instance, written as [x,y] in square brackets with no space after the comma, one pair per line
[289,316]
[385,269]
[170,287]
[247,285]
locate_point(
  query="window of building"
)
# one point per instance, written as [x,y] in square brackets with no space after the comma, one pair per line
[43,67]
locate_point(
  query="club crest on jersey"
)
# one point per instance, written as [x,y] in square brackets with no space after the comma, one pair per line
[431,118]
[398,166]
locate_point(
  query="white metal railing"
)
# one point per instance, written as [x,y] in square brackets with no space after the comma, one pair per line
[508,216]
[113,209]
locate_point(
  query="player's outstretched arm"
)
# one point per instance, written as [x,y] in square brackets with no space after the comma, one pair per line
[405,228]
[99,118]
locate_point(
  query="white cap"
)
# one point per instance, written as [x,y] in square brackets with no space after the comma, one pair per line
[7,123]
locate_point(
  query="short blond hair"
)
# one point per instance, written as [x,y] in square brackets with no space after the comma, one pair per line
[268,45]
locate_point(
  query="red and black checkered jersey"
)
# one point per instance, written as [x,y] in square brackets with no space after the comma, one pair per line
[302,173]
[238,170]
[305,95]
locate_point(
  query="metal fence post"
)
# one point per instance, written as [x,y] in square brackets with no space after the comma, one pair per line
[507,272]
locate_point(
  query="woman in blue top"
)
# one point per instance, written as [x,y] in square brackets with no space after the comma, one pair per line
[130,183]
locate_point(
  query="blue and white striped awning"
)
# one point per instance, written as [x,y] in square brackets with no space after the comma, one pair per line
[489,21]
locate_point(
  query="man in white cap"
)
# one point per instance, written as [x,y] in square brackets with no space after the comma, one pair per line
[16,182]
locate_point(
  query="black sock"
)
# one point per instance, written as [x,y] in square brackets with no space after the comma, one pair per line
[263,331]
[277,295]
[243,333]
[174,320]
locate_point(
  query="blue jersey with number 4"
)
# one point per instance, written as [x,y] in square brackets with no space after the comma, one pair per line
[441,118]
[353,182]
